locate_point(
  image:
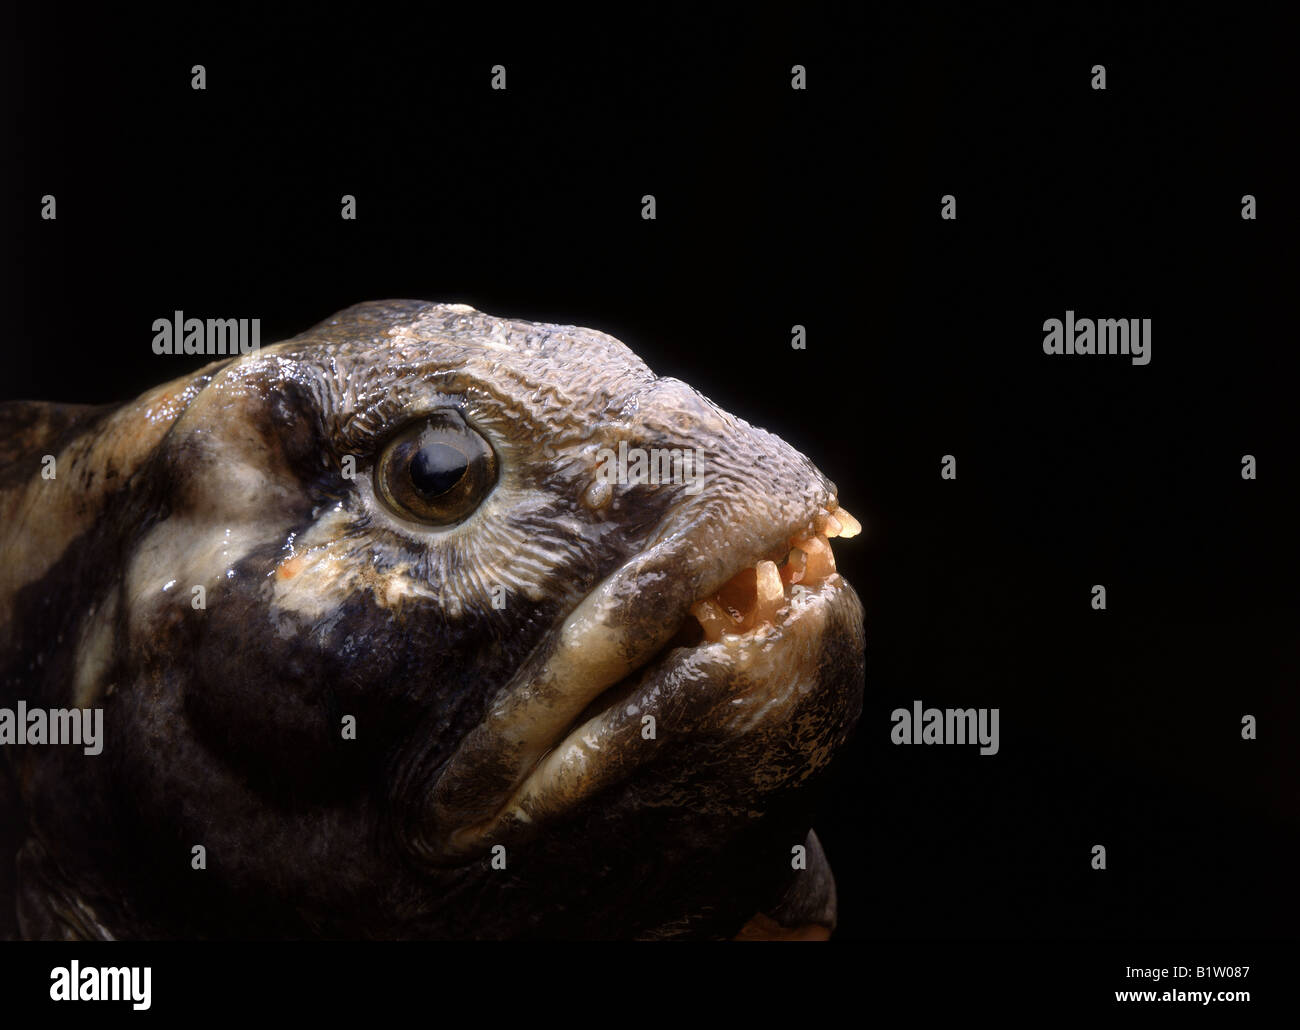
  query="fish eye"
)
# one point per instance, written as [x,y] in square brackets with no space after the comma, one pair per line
[437,470]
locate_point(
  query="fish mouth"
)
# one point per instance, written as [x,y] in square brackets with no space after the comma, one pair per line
[663,651]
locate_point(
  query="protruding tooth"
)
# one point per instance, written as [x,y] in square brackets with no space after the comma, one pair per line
[849,526]
[770,588]
[769,594]
[833,527]
[796,564]
[821,562]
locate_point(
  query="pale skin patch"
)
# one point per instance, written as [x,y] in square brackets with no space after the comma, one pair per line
[312,583]
[327,563]
[235,488]
[54,512]
[497,339]
[184,552]
[95,652]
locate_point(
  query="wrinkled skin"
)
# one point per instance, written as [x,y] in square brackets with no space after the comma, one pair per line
[222,726]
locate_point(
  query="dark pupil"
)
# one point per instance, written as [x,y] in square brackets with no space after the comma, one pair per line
[436,468]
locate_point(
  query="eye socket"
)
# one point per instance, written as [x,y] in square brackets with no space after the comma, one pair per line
[436,471]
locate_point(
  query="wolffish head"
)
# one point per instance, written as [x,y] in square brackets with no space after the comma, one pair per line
[432,623]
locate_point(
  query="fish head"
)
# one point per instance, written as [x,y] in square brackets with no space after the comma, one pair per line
[431,623]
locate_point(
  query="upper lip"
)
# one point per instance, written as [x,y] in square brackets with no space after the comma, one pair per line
[618,629]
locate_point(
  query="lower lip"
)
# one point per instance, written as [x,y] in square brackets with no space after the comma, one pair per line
[730,686]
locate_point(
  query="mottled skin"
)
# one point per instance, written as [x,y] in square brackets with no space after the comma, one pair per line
[222,725]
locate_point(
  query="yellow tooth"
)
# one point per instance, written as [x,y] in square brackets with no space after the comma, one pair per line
[796,562]
[769,593]
[821,560]
[768,583]
[833,527]
[849,526]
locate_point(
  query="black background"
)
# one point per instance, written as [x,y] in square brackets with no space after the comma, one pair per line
[821,208]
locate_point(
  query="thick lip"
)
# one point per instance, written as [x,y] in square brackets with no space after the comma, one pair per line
[556,734]
[605,744]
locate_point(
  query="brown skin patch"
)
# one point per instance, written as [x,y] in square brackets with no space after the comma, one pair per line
[765,928]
